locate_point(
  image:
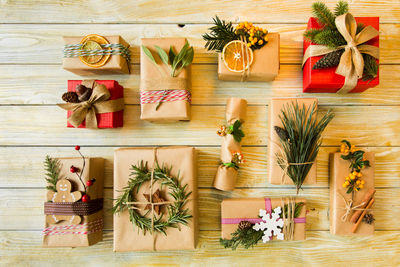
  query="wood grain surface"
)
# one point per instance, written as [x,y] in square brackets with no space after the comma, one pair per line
[32,126]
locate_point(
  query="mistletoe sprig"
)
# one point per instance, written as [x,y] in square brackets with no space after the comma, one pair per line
[176,62]
[301,138]
[248,237]
[176,214]
[234,129]
[330,36]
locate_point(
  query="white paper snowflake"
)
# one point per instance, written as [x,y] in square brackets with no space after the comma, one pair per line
[271,225]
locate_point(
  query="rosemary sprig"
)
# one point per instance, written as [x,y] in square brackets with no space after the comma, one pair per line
[176,214]
[52,168]
[304,139]
[247,238]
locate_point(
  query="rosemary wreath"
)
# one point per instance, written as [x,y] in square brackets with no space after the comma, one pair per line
[162,174]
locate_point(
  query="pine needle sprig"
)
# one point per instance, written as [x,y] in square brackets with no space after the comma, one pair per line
[330,38]
[370,68]
[302,146]
[247,238]
[311,33]
[175,213]
[342,7]
[221,34]
[52,168]
[324,15]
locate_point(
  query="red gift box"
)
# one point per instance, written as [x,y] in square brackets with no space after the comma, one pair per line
[104,120]
[326,80]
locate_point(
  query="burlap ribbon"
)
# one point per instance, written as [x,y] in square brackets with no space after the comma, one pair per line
[97,103]
[351,63]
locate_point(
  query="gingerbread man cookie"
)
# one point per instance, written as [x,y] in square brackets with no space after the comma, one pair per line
[64,194]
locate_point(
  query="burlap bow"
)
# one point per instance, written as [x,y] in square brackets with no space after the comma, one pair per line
[97,103]
[351,63]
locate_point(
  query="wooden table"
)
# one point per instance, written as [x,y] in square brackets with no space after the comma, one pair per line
[31,126]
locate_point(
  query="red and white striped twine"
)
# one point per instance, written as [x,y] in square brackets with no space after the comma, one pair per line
[87,228]
[149,97]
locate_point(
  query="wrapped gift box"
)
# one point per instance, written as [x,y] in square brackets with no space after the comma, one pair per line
[116,64]
[265,66]
[153,81]
[233,211]
[339,170]
[104,120]
[276,174]
[326,80]
[127,236]
[90,230]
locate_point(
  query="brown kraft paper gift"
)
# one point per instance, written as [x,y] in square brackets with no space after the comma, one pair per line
[265,66]
[62,237]
[339,170]
[225,179]
[127,237]
[276,174]
[236,209]
[116,64]
[152,79]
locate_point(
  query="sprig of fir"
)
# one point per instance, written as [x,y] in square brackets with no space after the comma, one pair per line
[247,237]
[297,209]
[52,168]
[301,141]
[221,34]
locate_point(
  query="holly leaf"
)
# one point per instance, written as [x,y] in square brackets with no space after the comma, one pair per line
[148,54]
[162,54]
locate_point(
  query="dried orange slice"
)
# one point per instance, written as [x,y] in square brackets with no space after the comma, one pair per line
[93,42]
[237,56]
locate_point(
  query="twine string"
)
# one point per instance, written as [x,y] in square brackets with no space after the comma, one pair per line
[75,50]
[348,207]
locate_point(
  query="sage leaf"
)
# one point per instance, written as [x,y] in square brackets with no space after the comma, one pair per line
[148,54]
[179,57]
[162,54]
[171,55]
[187,60]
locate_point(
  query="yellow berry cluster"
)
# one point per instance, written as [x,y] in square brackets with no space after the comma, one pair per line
[256,36]
[354,181]
[221,130]
[345,149]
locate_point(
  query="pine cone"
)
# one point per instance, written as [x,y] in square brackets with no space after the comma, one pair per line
[331,59]
[83,92]
[368,218]
[282,133]
[243,225]
[70,97]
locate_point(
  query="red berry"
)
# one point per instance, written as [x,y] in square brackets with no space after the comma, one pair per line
[89,183]
[85,198]
[77,147]
[73,169]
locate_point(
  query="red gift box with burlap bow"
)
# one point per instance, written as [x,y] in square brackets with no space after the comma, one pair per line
[108,119]
[327,80]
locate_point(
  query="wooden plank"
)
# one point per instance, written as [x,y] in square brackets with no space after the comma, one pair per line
[48,82]
[46,125]
[180,11]
[22,209]
[252,174]
[320,248]
[42,44]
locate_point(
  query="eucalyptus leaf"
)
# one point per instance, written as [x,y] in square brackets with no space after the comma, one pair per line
[162,54]
[179,57]
[188,59]
[148,54]
[171,55]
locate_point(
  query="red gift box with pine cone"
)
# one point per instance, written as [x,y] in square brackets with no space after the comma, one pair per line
[326,80]
[104,120]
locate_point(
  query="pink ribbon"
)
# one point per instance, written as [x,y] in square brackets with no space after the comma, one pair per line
[268,208]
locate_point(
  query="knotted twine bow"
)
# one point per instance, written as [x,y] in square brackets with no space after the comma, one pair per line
[351,63]
[97,103]
[348,207]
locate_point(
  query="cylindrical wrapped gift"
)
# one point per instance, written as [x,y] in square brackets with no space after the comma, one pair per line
[225,179]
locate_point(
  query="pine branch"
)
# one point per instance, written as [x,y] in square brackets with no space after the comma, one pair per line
[297,210]
[310,34]
[52,168]
[330,38]
[342,7]
[221,34]
[304,131]
[370,68]
[246,237]
[324,15]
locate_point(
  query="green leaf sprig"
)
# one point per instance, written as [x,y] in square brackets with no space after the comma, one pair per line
[236,131]
[52,168]
[176,62]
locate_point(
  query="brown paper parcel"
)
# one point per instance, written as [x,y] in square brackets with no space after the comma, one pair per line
[116,64]
[152,79]
[276,174]
[127,237]
[339,170]
[225,179]
[94,169]
[250,207]
[265,66]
